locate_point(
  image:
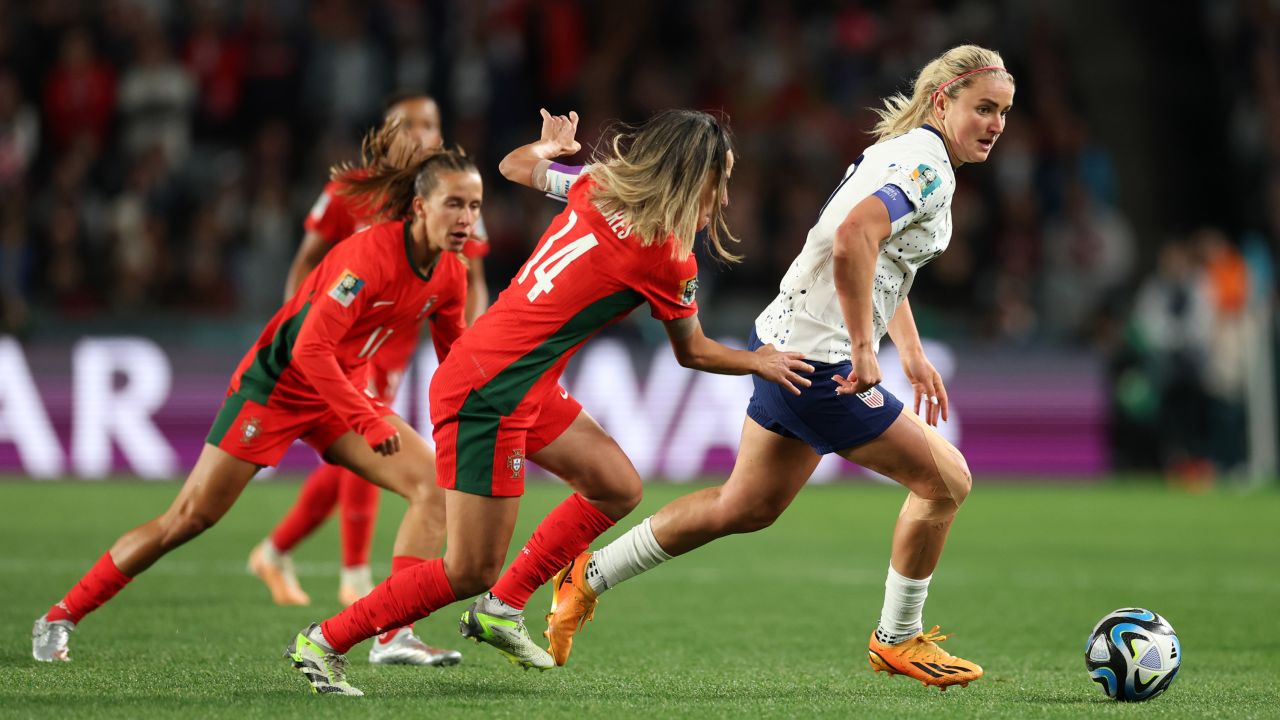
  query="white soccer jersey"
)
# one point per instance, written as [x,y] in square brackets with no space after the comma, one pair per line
[914,177]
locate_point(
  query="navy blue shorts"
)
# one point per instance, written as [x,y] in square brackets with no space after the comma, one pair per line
[827,422]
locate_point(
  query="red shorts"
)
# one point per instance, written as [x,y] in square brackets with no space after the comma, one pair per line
[261,434]
[483,452]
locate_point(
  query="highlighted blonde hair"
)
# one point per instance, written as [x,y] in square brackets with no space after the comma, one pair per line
[654,174]
[901,114]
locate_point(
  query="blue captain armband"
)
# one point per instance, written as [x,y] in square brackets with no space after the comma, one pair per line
[895,201]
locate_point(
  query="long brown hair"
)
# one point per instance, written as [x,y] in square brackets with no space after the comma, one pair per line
[654,173]
[391,173]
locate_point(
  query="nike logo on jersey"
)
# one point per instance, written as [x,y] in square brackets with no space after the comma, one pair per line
[380,303]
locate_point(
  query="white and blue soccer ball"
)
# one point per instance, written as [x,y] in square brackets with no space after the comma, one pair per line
[1134,654]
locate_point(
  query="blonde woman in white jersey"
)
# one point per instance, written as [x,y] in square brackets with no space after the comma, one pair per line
[889,216]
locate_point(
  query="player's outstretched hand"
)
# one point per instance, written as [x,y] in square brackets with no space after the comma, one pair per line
[865,375]
[781,367]
[926,383]
[388,447]
[558,133]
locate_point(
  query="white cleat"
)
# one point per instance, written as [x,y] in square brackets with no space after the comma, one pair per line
[402,647]
[49,640]
[324,669]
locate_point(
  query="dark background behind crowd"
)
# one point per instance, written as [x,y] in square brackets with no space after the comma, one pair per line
[157,159]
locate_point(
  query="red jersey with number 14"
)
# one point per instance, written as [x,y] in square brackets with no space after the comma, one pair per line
[587,272]
[365,292]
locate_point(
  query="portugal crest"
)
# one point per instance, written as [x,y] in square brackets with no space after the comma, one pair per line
[249,430]
[515,463]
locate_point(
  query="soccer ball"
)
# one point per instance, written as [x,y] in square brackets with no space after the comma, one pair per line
[1134,654]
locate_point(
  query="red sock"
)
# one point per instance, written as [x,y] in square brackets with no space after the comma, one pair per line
[398,563]
[359,500]
[315,501]
[99,585]
[563,534]
[409,594]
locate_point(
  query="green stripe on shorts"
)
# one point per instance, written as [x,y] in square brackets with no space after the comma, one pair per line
[226,416]
[476,445]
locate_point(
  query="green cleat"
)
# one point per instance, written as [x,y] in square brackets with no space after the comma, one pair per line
[324,669]
[509,636]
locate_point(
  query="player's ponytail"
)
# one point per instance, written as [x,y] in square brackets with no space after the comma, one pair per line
[949,73]
[653,174]
[392,173]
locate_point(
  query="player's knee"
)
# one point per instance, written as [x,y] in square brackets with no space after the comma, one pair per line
[741,518]
[960,480]
[185,525]
[614,494]
[472,576]
[929,510]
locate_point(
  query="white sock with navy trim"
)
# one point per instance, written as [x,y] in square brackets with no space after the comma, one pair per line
[901,616]
[633,553]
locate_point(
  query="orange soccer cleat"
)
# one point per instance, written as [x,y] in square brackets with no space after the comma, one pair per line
[573,603]
[278,575]
[922,659]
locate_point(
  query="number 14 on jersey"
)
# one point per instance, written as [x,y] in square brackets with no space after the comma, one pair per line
[546,270]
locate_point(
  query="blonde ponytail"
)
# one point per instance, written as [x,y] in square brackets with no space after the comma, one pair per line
[949,73]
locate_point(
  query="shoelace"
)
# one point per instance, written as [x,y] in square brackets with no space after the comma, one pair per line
[927,644]
[933,635]
[337,668]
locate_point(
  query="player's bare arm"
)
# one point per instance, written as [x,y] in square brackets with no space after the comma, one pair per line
[857,244]
[926,381]
[696,351]
[527,165]
[312,250]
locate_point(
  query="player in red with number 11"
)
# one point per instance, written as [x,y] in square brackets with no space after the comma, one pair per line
[305,379]
[625,239]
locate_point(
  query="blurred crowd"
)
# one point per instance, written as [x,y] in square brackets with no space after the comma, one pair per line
[158,156]
[161,155]
[1194,345]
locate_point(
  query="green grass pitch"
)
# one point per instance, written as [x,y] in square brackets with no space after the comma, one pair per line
[768,625]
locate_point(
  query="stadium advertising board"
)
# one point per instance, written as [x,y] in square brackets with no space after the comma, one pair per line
[127,405]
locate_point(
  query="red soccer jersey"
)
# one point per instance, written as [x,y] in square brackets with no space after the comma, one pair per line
[586,273]
[335,217]
[365,292]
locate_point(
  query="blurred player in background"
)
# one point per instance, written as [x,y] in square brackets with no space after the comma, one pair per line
[334,217]
[305,379]
[889,216]
[625,238]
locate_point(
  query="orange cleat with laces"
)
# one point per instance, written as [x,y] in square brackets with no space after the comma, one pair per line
[573,603]
[921,658]
[277,573]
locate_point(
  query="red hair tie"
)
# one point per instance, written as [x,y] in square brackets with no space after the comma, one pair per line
[961,76]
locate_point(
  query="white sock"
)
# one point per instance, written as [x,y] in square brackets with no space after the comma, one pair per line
[901,616]
[317,636]
[633,553]
[491,604]
[358,577]
[271,552]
